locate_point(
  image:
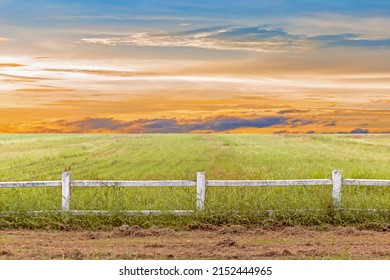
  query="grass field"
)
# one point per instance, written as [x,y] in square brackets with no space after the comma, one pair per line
[179,157]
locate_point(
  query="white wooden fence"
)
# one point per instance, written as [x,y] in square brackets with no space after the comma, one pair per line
[200,183]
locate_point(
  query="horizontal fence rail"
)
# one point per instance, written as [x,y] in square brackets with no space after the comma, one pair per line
[200,183]
[30,184]
[366,182]
[177,183]
[267,183]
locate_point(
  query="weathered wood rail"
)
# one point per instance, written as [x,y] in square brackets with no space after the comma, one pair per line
[200,183]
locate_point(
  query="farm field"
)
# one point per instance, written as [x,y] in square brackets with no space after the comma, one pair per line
[229,228]
[179,157]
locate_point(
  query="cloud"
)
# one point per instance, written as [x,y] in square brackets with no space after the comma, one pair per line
[292,111]
[104,72]
[94,124]
[11,65]
[252,38]
[262,38]
[300,122]
[334,37]
[280,131]
[218,124]
[254,33]
[23,78]
[351,40]
[359,130]
[356,131]
[3,39]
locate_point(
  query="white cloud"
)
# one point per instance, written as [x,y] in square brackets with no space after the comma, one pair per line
[257,39]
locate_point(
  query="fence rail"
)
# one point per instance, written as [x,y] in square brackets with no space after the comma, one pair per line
[200,183]
[267,183]
[81,183]
[366,182]
[30,184]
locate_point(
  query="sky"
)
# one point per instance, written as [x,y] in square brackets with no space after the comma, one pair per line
[182,66]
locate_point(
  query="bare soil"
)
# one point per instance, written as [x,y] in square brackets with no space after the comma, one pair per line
[202,242]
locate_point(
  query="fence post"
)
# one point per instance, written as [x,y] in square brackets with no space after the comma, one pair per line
[336,178]
[200,190]
[66,191]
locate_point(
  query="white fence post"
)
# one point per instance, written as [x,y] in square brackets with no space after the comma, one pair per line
[66,191]
[336,178]
[200,190]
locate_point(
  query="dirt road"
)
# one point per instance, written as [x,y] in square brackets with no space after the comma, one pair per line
[204,242]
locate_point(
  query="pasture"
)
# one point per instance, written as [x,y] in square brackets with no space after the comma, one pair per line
[178,157]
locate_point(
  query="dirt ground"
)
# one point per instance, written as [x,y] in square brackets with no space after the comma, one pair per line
[204,242]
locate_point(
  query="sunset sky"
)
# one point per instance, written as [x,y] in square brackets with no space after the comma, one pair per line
[157,66]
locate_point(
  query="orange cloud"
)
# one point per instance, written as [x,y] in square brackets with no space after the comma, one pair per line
[168,114]
[10,65]
[36,95]
[104,72]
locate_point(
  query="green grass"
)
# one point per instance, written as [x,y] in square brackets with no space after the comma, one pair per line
[179,157]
